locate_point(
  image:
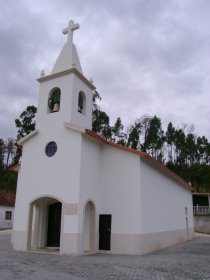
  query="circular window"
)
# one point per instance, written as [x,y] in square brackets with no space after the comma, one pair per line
[51,149]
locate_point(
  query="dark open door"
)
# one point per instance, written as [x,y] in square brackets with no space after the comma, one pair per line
[105,232]
[54,225]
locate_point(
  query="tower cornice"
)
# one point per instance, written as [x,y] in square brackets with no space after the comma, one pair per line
[65,73]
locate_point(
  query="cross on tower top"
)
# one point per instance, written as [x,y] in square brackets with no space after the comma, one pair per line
[69,30]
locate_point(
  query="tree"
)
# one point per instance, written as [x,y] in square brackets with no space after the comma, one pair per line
[170,138]
[26,121]
[96,98]
[155,138]
[191,148]
[134,132]
[25,124]
[8,180]
[145,124]
[9,151]
[100,120]
[199,176]
[2,153]
[118,136]
[101,125]
[202,150]
[180,147]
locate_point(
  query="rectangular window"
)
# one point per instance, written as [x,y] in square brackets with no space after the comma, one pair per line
[8,215]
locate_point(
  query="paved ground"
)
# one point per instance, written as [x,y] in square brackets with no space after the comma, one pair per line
[190,260]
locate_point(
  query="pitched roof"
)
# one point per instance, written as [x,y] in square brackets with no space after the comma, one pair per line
[7,198]
[143,155]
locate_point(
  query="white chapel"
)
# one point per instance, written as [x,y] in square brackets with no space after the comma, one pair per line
[77,193]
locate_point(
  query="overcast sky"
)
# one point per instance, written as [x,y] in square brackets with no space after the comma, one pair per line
[144,56]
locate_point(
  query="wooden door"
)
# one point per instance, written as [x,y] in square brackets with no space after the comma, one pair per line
[54,225]
[105,232]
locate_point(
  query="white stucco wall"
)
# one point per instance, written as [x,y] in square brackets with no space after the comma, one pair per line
[3,222]
[120,192]
[90,188]
[111,179]
[163,201]
[140,197]
[57,176]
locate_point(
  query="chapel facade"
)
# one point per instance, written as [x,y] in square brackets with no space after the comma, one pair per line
[78,193]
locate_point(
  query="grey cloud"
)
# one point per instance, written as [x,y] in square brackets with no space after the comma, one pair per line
[145,56]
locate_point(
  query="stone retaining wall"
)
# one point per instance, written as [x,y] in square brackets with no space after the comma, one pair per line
[202,222]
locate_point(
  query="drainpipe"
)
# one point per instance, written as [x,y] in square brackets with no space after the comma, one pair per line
[186,219]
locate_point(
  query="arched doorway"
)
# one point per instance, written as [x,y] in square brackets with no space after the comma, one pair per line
[89,227]
[44,224]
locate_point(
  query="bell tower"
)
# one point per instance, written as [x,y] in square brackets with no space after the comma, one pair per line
[65,95]
[51,165]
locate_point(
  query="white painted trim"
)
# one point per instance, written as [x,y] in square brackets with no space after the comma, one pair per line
[27,137]
[67,72]
[74,127]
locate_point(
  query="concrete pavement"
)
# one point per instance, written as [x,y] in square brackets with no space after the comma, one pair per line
[190,260]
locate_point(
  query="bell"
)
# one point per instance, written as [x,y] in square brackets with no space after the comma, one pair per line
[79,109]
[56,107]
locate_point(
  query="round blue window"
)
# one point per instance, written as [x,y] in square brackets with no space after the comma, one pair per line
[51,149]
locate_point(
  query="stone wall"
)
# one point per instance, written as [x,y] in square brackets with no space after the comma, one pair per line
[202,222]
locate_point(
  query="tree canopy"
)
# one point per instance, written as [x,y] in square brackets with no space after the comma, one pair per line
[26,122]
[9,154]
[179,148]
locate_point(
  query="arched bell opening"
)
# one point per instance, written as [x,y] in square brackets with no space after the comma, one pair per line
[81,102]
[44,227]
[54,100]
[89,228]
